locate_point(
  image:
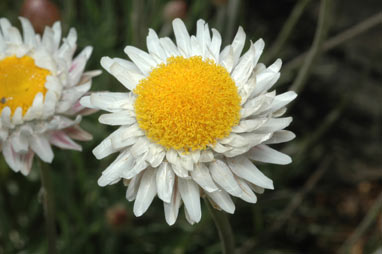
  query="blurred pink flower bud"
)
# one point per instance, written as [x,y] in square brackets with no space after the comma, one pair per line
[41,13]
[175,9]
[116,216]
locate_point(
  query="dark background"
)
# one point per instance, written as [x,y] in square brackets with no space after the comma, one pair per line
[328,200]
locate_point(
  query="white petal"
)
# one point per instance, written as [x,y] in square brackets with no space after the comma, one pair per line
[182,37]
[78,65]
[111,102]
[215,44]
[6,117]
[126,72]
[244,68]
[156,155]
[60,139]
[201,176]
[223,176]
[281,100]
[171,210]
[114,171]
[70,96]
[49,104]
[165,179]
[19,142]
[274,124]
[234,140]
[226,58]
[281,137]
[276,66]
[140,147]
[104,149]
[28,32]
[264,81]
[18,161]
[223,200]
[196,49]
[139,166]
[36,110]
[169,47]
[41,146]
[125,117]
[219,148]
[77,133]
[264,153]
[189,191]
[247,194]
[180,171]
[186,161]
[200,36]
[238,44]
[146,192]
[257,104]
[206,156]
[235,151]
[154,46]
[128,136]
[255,139]
[143,60]
[132,189]
[56,34]
[172,156]
[249,125]
[245,169]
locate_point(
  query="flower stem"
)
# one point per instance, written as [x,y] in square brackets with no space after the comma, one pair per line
[48,204]
[224,229]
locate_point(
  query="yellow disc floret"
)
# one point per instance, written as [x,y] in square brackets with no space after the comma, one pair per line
[20,81]
[187,103]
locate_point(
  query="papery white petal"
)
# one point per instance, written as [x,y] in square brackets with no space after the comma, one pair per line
[165,179]
[189,192]
[201,176]
[146,192]
[264,153]
[223,200]
[171,210]
[223,176]
[133,187]
[245,169]
[40,145]
[281,137]
[182,37]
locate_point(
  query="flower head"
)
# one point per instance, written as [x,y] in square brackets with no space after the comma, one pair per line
[193,122]
[40,88]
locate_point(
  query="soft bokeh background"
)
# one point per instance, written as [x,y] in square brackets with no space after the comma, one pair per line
[328,200]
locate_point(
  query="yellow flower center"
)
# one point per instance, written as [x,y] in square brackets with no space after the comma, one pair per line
[20,81]
[187,103]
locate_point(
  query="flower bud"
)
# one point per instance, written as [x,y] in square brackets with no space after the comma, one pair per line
[116,216]
[175,9]
[41,13]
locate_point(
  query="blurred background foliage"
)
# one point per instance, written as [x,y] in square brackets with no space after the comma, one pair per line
[328,200]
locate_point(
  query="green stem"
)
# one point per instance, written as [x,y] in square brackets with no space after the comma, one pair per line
[48,204]
[320,35]
[287,29]
[224,229]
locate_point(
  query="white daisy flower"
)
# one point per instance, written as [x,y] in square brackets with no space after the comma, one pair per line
[193,122]
[40,88]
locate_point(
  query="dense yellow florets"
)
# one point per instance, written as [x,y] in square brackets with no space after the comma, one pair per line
[187,103]
[20,81]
